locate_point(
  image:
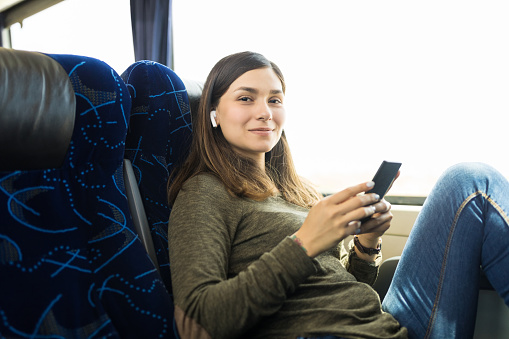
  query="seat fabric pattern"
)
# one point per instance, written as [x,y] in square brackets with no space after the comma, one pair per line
[71,265]
[157,142]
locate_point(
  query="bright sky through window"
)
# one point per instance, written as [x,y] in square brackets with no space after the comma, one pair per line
[423,83]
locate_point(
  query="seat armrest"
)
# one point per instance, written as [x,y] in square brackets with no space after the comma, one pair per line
[385,274]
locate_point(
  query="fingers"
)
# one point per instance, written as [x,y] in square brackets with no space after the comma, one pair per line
[354,227]
[360,214]
[377,224]
[349,205]
[383,206]
[350,192]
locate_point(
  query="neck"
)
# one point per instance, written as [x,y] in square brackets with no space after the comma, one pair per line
[261,164]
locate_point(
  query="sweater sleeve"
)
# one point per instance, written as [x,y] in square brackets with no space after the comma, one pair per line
[362,270]
[201,231]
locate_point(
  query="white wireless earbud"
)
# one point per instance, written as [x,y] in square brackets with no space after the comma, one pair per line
[213,118]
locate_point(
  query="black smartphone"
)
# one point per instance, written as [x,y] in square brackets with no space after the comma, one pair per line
[384,178]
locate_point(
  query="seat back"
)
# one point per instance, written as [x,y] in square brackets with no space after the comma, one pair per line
[71,264]
[157,141]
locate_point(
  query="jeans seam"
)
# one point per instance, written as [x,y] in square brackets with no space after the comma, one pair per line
[497,207]
[444,261]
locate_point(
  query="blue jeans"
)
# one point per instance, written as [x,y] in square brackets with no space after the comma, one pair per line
[463,225]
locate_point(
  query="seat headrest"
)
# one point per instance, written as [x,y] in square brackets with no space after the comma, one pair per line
[37,111]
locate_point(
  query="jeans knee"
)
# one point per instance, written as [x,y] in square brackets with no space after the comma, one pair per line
[470,173]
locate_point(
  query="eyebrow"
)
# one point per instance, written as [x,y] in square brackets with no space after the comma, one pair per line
[255,91]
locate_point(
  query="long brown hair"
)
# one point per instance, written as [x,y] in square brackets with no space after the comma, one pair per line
[211,152]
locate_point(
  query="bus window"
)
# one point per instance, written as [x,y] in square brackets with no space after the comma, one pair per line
[422,83]
[96,28]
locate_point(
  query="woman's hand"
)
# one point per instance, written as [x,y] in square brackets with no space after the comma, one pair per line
[377,225]
[379,222]
[374,228]
[337,216]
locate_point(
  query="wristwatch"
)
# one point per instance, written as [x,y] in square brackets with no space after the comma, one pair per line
[367,250]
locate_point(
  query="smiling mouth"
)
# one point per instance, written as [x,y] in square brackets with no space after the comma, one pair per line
[261,130]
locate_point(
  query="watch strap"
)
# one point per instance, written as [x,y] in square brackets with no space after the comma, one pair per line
[367,250]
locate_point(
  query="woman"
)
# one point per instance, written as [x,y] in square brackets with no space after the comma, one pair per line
[256,252]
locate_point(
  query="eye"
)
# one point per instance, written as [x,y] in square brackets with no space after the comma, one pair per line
[275,101]
[244,99]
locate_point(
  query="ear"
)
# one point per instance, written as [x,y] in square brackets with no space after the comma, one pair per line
[213,118]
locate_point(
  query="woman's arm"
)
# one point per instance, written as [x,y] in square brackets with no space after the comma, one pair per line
[201,230]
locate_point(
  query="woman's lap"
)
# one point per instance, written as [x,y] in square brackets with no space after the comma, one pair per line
[462,226]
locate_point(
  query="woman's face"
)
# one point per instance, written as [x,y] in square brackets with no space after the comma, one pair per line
[251,113]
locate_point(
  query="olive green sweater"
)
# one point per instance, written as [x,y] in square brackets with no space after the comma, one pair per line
[236,274]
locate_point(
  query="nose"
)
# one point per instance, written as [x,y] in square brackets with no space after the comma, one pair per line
[265,113]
